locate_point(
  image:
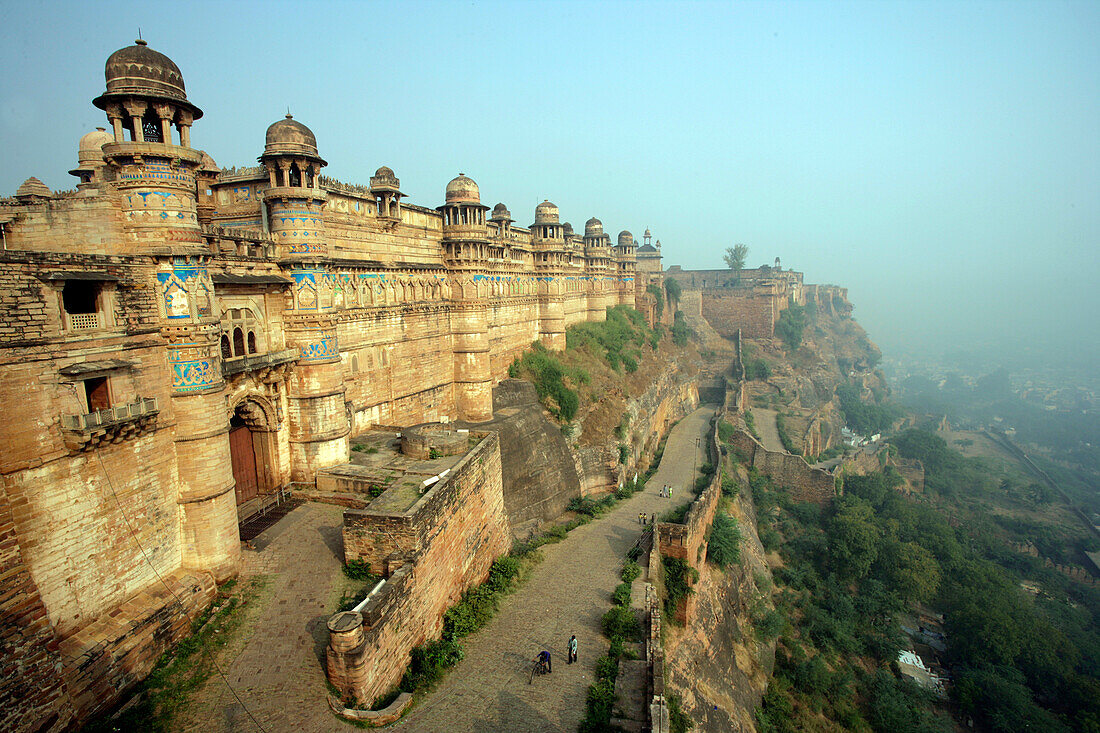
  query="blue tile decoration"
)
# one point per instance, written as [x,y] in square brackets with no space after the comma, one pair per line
[193,376]
[322,350]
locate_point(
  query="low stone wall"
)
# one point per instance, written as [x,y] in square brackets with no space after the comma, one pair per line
[806,483]
[431,555]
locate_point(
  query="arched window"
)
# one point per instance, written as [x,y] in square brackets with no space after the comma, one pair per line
[238,342]
[295,176]
[354,364]
[251,342]
[227,351]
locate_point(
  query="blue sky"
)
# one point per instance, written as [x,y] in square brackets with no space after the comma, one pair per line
[942,160]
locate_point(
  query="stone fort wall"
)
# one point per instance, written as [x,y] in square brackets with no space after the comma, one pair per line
[430,554]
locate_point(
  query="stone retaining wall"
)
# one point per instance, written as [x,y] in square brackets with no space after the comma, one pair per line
[687,541]
[806,483]
[431,554]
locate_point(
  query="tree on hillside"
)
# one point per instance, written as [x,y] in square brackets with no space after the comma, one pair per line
[735,256]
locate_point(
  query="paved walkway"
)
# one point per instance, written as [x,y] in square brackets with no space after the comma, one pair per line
[769,432]
[568,593]
[276,667]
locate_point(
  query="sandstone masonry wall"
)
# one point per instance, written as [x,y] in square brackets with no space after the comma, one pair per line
[432,554]
[807,483]
[687,541]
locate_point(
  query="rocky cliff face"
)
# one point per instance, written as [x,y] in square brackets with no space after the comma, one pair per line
[803,383]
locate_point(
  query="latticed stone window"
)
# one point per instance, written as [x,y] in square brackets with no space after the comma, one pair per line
[85,305]
[242,333]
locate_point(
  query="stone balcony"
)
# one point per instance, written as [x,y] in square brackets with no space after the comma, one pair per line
[258,362]
[113,425]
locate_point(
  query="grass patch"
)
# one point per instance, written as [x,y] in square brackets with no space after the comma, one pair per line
[546,372]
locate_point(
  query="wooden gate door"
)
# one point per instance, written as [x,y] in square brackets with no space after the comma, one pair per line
[244,463]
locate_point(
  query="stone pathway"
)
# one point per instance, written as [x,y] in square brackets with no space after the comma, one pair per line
[277,671]
[769,433]
[568,593]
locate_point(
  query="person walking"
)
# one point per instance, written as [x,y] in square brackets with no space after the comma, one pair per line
[572,649]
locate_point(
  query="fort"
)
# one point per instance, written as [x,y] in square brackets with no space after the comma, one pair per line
[182,345]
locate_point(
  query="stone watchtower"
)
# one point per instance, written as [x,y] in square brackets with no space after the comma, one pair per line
[466,244]
[551,263]
[623,255]
[294,205]
[154,176]
[597,262]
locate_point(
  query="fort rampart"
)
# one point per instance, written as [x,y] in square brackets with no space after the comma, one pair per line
[429,556]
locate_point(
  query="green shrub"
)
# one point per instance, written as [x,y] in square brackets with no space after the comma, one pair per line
[678,579]
[624,453]
[471,613]
[750,422]
[680,329]
[622,622]
[548,375]
[358,569]
[726,431]
[730,487]
[429,662]
[503,573]
[678,720]
[724,547]
[791,324]
[621,596]
[631,571]
[589,506]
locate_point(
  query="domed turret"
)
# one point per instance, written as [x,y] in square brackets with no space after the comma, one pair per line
[463,190]
[626,239]
[501,214]
[91,145]
[140,70]
[593,227]
[567,229]
[546,213]
[145,95]
[290,138]
[89,154]
[463,212]
[385,186]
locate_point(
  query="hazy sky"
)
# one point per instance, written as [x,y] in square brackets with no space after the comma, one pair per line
[942,160]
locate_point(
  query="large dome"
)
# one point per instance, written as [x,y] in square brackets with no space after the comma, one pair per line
[288,136]
[593,227]
[463,190]
[139,71]
[626,239]
[546,213]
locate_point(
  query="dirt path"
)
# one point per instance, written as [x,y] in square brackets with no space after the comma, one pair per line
[276,670]
[769,433]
